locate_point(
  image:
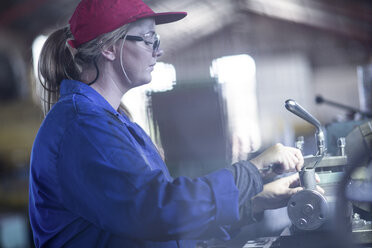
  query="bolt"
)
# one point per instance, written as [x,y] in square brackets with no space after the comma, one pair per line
[308,209]
[302,222]
[300,143]
[341,146]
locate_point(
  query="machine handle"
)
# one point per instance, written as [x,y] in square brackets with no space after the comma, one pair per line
[298,110]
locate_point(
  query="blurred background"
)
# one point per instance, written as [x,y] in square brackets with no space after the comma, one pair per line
[217,94]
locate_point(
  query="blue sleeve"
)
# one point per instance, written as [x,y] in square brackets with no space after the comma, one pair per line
[105,180]
[249,183]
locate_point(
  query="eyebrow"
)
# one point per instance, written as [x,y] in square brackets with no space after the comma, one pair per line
[152,33]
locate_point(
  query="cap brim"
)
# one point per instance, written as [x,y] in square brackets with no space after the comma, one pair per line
[167,17]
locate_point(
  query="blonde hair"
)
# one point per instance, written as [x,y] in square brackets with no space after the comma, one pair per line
[59,61]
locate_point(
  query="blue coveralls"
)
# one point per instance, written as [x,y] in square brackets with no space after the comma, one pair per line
[97,180]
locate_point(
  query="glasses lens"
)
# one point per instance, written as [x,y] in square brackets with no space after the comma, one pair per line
[156,43]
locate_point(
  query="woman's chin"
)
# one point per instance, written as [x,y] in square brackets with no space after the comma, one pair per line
[141,82]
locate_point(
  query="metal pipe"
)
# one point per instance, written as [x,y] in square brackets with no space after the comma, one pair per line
[319,100]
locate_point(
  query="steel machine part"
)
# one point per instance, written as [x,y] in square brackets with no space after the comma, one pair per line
[365,87]
[308,209]
[296,109]
[332,219]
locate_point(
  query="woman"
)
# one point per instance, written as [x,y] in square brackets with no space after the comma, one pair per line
[96,178]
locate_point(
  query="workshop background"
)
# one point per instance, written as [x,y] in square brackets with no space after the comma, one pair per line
[218,95]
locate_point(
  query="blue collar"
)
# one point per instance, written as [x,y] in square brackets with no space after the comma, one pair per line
[69,87]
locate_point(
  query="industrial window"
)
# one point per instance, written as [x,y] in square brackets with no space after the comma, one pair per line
[237,76]
[36,50]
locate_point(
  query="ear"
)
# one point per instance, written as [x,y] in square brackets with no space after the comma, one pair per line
[109,52]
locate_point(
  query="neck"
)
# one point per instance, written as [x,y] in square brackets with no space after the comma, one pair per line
[112,94]
[107,85]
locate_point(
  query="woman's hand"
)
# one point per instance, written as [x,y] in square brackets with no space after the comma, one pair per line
[284,158]
[276,194]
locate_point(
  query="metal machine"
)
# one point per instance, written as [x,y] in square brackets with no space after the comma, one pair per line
[342,216]
[329,220]
[308,209]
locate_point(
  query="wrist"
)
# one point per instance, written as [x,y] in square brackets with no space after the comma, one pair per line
[257,209]
[256,205]
[256,162]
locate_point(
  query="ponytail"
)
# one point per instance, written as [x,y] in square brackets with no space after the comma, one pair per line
[55,64]
[58,62]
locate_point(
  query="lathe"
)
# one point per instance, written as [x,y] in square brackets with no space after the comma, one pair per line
[342,216]
[333,219]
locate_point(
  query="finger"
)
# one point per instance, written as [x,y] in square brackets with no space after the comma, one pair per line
[278,168]
[293,191]
[295,183]
[317,178]
[300,164]
[293,161]
[285,163]
[298,154]
[320,189]
[300,158]
[292,179]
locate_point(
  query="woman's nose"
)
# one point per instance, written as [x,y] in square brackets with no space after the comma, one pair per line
[159,52]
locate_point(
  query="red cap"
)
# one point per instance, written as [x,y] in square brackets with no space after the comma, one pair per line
[95,17]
